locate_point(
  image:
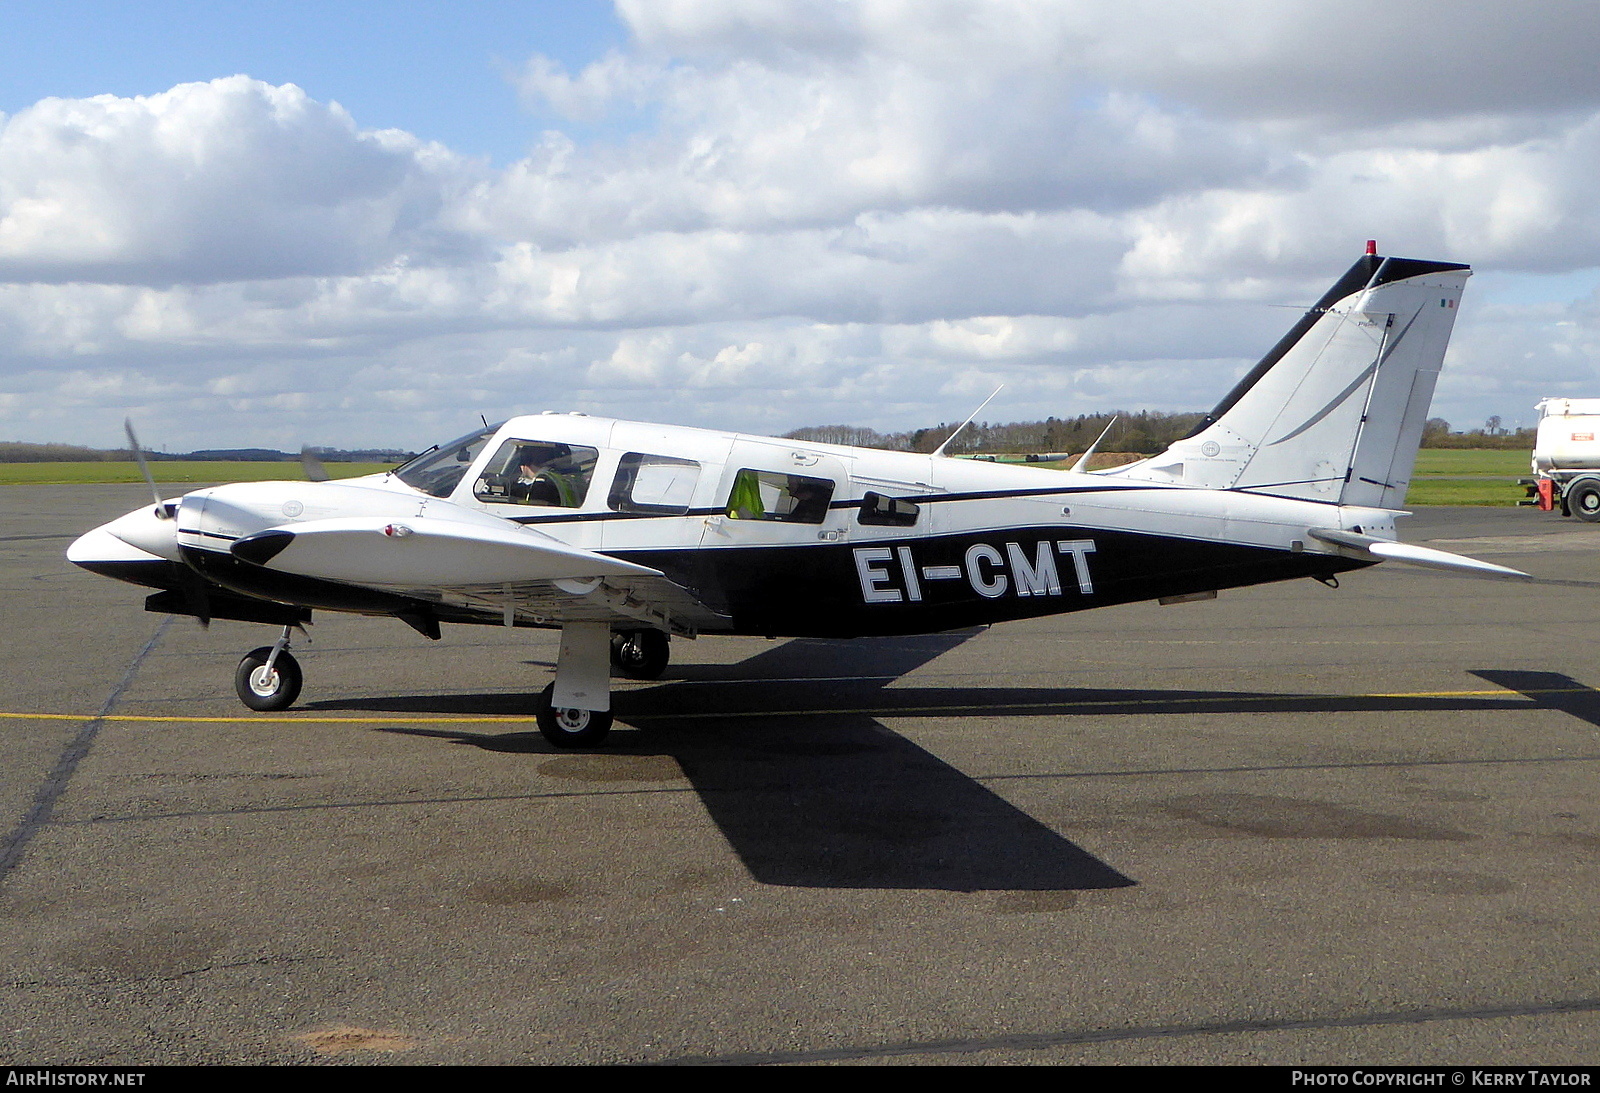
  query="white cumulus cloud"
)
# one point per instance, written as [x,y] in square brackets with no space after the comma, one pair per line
[772,213]
[228,180]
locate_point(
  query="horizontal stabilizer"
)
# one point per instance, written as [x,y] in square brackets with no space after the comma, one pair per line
[1389,550]
[423,552]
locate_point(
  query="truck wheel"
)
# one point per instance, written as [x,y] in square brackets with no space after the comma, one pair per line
[1584,500]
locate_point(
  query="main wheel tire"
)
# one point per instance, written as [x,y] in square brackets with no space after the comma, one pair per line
[566,727]
[263,690]
[1584,501]
[640,654]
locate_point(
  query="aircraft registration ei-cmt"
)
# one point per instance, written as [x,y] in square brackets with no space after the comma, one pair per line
[625,534]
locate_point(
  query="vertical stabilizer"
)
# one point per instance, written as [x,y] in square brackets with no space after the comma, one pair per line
[1335,411]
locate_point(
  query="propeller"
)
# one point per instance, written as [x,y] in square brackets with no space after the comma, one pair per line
[194,587]
[315,471]
[162,512]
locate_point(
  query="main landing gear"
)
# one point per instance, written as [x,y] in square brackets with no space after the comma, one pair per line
[570,726]
[640,654]
[269,678]
[575,710]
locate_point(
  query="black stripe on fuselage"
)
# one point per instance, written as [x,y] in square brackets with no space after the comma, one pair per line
[1006,494]
[599,517]
[853,503]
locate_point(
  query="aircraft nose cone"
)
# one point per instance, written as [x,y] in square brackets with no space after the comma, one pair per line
[153,534]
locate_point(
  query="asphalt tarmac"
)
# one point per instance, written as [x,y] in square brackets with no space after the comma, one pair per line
[1295,825]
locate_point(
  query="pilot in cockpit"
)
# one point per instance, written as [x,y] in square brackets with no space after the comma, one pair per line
[543,475]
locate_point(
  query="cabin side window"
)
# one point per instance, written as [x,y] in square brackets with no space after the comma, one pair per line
[658,485]
[772,495]
[880,511]
[537,472]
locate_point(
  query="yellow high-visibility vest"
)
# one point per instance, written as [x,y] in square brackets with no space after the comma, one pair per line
[744,503]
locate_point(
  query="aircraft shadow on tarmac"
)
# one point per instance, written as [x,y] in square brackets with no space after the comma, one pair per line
[832,799]
[812,790]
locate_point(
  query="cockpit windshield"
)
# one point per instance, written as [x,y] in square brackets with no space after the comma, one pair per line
[437,470]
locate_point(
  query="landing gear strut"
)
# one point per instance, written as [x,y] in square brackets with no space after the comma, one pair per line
[269,678]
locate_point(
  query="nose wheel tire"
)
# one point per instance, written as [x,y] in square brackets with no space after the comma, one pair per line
[567,727]
[640,654]
[263,690]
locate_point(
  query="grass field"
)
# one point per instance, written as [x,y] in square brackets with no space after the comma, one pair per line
[1471,462]
[174,471]
[1467,476]
[1444,476]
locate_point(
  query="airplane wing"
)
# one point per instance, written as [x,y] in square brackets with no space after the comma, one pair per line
[491,569]
[1387,549]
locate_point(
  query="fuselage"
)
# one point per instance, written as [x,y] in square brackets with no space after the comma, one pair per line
[768,536]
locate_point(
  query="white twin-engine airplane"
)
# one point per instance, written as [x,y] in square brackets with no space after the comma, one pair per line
[623,534]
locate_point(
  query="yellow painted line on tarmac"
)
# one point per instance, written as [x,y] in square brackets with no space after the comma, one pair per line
[874,711]
[258,718]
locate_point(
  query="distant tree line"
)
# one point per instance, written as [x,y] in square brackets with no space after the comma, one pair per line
[1146,432]
[1436,434]
[13,452]
[16,452]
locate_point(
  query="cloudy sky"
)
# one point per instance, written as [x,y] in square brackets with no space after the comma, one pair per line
[367,223]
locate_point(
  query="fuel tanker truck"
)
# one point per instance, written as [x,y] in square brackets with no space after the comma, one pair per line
[1566,458]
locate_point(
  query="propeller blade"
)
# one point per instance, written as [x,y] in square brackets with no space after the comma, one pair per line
[315,471]
[144,468]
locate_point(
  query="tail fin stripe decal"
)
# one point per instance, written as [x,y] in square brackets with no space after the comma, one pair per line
[1355,384]
[1338,400]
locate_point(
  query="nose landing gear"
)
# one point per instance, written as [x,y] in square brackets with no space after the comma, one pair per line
[269,678]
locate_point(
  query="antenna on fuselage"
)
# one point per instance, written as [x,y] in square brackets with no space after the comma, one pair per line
[940,449]
[1083,460]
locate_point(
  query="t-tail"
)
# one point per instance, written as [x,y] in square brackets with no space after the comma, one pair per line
[1335,411]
